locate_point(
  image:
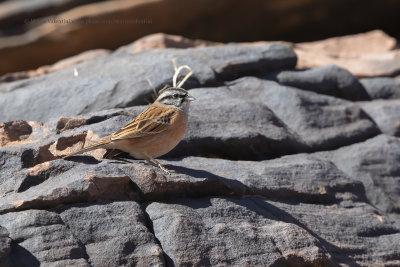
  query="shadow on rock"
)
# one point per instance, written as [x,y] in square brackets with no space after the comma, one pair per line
[228,187]
[20,256]
[85,159]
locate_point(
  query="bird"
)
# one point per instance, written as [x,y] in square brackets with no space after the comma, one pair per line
[155,131]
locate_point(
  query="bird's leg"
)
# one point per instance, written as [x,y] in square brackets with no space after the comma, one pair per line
[155,163]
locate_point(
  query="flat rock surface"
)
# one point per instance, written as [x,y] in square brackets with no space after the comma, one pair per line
[374,163]
[123,79]
[278,167]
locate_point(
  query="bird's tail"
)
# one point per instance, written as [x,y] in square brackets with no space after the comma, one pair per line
[89,148]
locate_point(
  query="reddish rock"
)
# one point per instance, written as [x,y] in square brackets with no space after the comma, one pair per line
[364,55]
[162,40]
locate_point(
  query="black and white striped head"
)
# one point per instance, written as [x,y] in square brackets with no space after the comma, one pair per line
[175,97]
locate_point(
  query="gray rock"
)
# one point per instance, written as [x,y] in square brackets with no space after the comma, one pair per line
[386,114]
[97,234]
[59,182]
[121,79]
[354,233]
[213,232]
[254,231]
[375,163]
[10,163]
[295,177]
[318,216]
[38,172]
[323,122]
[220,206]
[236,128]
[256,134]
[113,234]
[328,80]
[274,120]
[385,88]
[40,237]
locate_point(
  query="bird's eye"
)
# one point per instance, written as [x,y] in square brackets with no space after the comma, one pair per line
[176,95]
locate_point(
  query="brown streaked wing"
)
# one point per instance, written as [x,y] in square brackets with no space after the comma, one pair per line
[153,120]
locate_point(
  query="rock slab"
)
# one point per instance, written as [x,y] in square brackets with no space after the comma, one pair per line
[279,167]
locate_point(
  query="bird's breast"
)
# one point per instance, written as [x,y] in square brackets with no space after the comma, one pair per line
[158,144]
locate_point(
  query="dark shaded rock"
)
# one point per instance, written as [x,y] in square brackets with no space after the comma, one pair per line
[113,234]
[122,79]
[40,237]
[5,247]
[385,88]
[323,122]
[235,128]
[328,80]
[14,130]
[376,163]
[16,133]
[64,124]
[215,231]
[10,163]
[386,114]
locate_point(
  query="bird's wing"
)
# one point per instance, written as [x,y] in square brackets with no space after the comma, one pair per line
[155,119]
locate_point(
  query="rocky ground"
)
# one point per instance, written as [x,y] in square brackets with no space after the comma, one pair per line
[280,166]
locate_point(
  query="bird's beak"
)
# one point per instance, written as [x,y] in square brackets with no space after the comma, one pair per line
[190,98]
